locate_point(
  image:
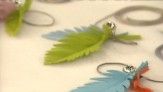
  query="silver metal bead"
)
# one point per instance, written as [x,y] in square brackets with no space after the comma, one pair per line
[129,69]
[19,2]
[112,25]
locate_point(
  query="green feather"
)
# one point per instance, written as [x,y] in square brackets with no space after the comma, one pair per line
[76,44]
[82,43]
[15,19]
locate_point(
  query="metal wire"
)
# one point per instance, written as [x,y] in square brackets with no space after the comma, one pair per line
[124,65]
[110,63]
[54,1]
[159,52]
[43,13]
[119,15]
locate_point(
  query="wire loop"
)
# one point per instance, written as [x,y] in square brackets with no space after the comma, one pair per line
[124,65]
[119,15]
[159,52]
[43,13]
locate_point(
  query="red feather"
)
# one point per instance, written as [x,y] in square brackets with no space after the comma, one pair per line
[136,84]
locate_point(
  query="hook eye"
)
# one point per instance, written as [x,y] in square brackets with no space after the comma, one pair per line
[19,3]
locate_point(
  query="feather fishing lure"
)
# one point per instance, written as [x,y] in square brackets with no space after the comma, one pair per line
[117,81]
[14,21]
[82,42]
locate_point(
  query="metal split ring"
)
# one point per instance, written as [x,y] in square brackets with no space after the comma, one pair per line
[129,68]
[119,15]
[159,52]
[54,1]
[43,24]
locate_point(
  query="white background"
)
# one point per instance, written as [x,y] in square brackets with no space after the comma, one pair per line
[22,57]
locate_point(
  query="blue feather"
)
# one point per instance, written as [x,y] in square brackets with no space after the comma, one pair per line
[55,36]
[141,67]
[114,81]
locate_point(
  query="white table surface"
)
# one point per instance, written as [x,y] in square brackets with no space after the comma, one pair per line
[21,58]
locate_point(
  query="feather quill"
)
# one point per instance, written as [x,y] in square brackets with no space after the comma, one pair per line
[14,20]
